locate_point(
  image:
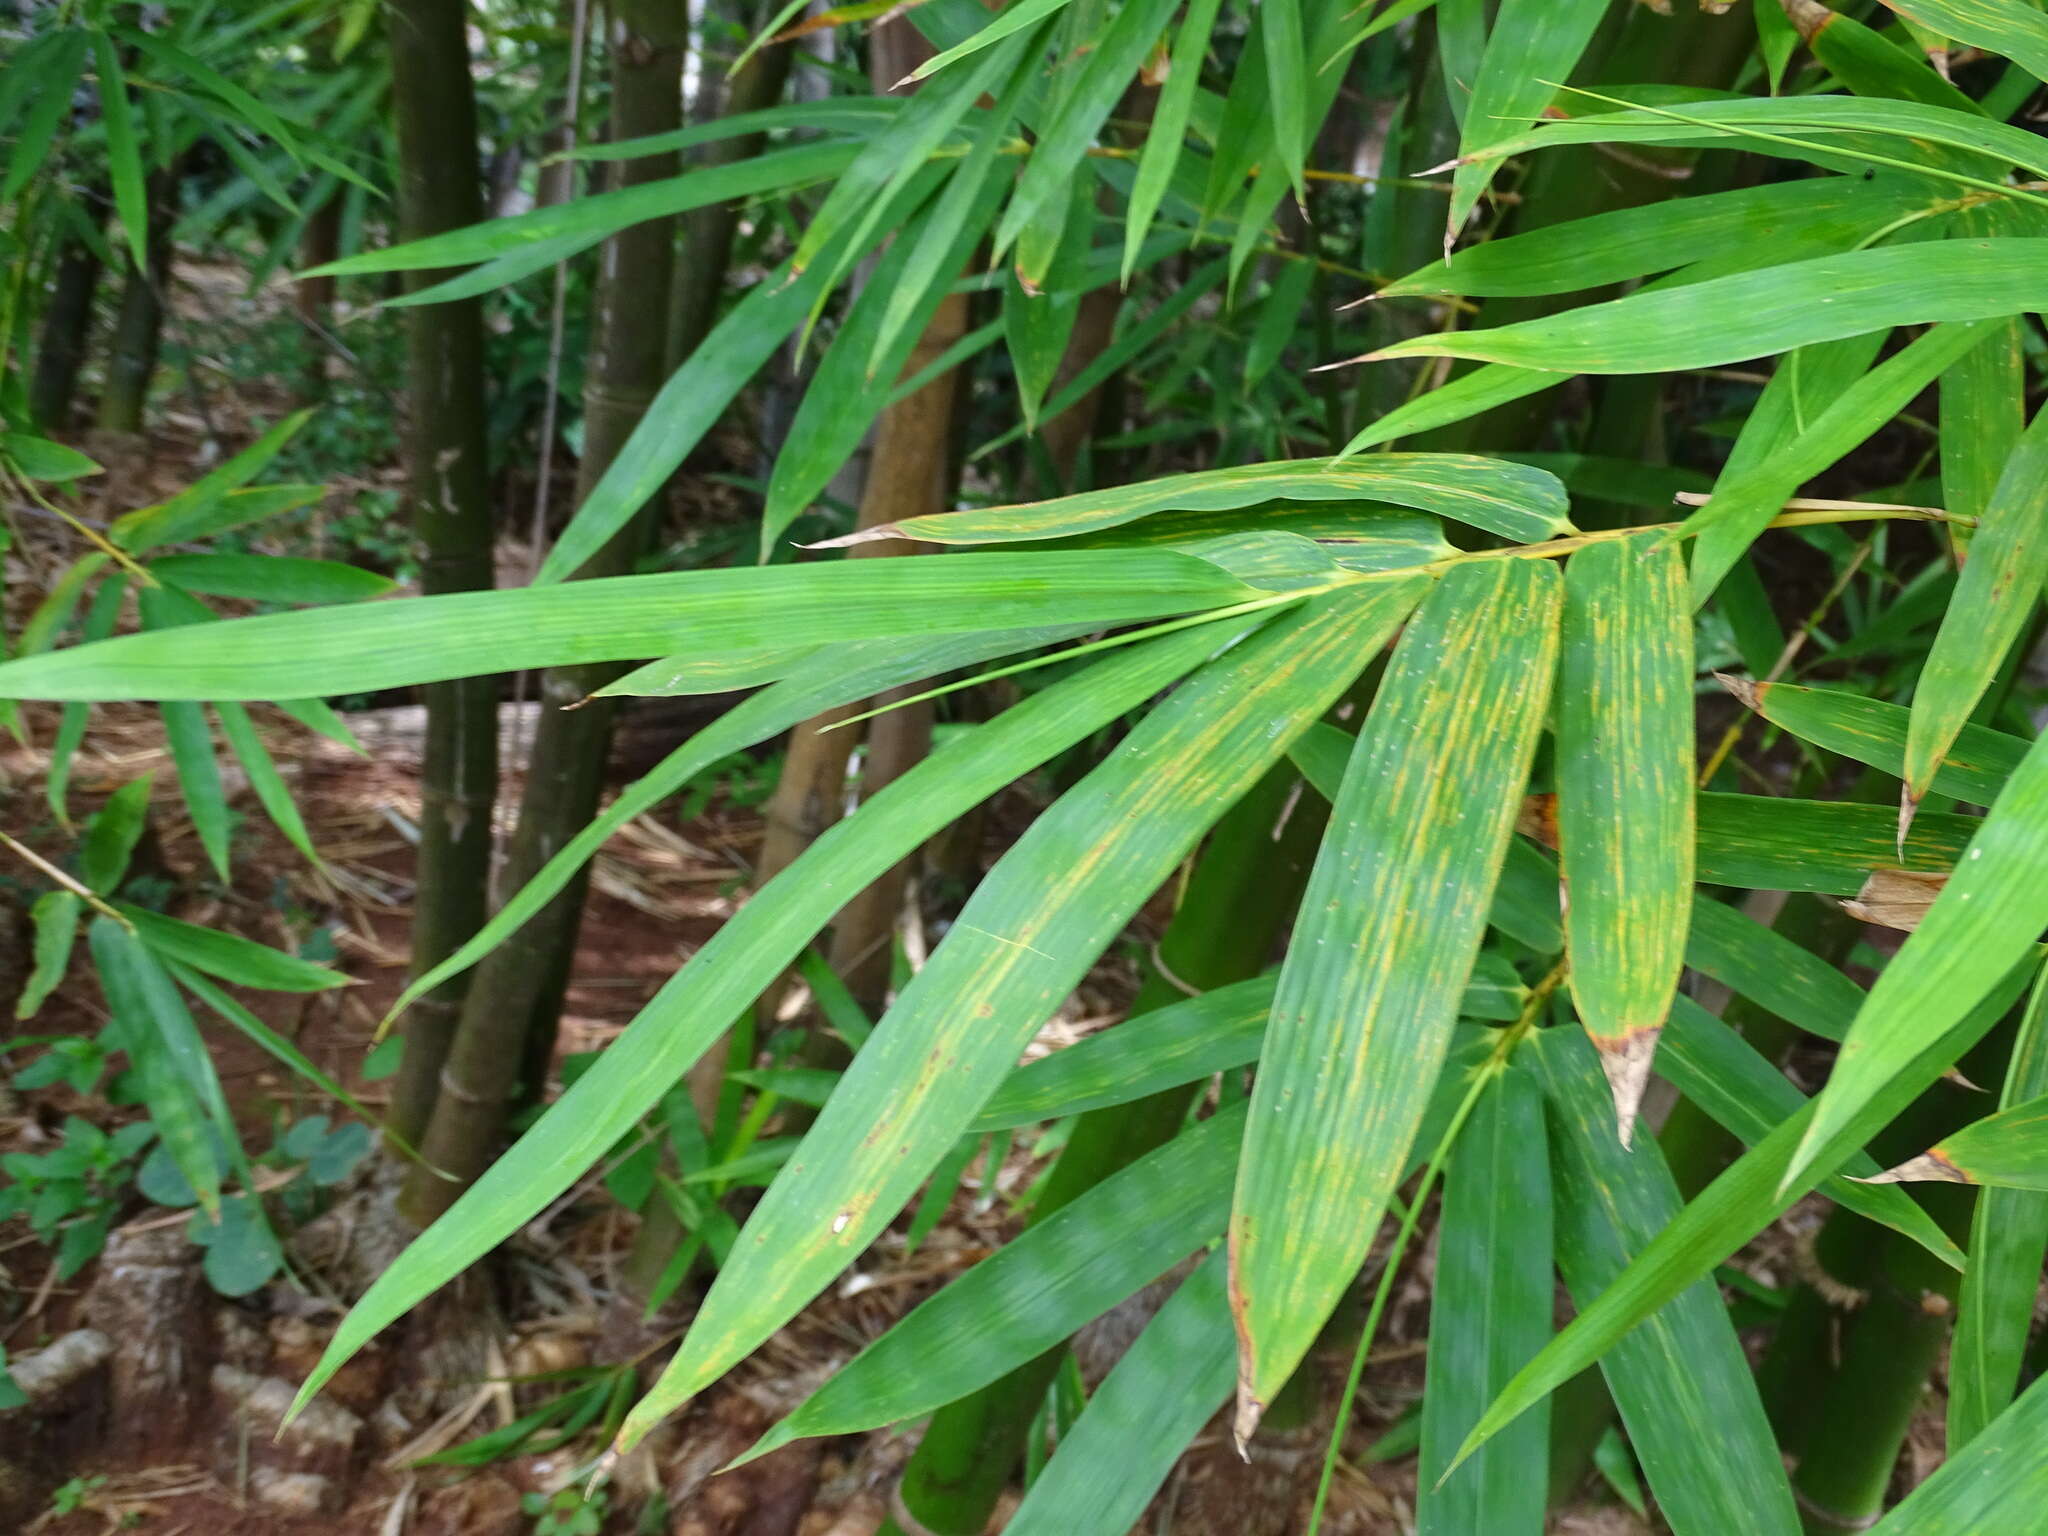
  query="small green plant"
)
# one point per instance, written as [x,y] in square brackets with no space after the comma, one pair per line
[75,1494]
[567,1512]
[71,1194]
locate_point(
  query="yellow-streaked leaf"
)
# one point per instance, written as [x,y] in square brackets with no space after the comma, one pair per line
[1390,926]
[1625,797]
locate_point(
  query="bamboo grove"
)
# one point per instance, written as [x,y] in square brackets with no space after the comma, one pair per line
[1349,441]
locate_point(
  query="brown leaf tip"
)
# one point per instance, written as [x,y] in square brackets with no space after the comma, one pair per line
[1245,1423]
[1749,694]
[1809,16]
[1928,1168]
[861,536]
[1626,1061]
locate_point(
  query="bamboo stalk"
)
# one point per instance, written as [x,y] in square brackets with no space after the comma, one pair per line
[434,104]
[139,323]
[509,1019]
[67,331]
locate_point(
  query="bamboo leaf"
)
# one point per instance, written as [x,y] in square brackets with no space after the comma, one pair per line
[1625,798]
[161,1039]
[1027,934]
[1035,1291]
[2008,28]
[1392,919]
[1745,1095]
[1531,45]
[1627,243]
[124,153]
[748,952]
[1514,500]
[2008,1241]
[1490,1312]
[110,837]
[55,914]
[195,512]
[1480,390]
[262,1034]
[1162,151]
[833,676]
[1984,922]
[228,955]
[627,618]
[57,77]
[1978,763]
[1154,1401]
[1745,501]
[1680,1380]
[271,578]
[1767,843]
[1770,970]
[1998,591]
[2002,1471]
[1287,85]
[1751,314]
[1065,134]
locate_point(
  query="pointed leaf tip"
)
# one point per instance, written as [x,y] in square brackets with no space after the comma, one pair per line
[1626,1061]
[1928,1168]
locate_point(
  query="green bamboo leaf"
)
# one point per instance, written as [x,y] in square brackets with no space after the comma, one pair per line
[55,610]
[263,1035]
[852,216]
[124,154]
[271,578]
[100,617]
[1064,135]
[1163,142]
[858,374]
[2008,1150]
[275,796]
[1745,501]
[2008,1241]
[196,511]
[1391,923]
[627,618]
[1154,1401]
[925,274]
[1357,535]
[228,955]
[1983,403]
[1984,1485]
[1280,315]
[592,218]
[110,837]
[1680,1380]
[1513,500]
[2008,28]
[1532,45]
[55,915]
[1745,1095]
[689,673]
[153,1026]
[1770,970]
[56,78]
[1751,314]
[1627,243]
[1287,85]
[1035,1291]
[1038,323]
[833,676]
[1625,797]
[1767,843]
[247,106]
[1984,922]
[1998,591]
[1133,341]
[747,953]
[1027,934]
[855,115]
[1480,390]
[1822,129]
[1013,19]
[1978,763]
[1490,1311]
[37,458]
[687,406]
[1744,1200]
